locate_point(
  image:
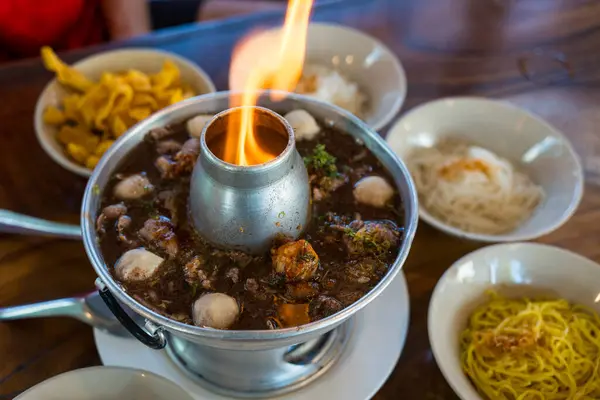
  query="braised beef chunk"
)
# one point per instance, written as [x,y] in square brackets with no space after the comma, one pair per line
[159,233]
[109,213]
[343,253]
[160,133]
[168,147]
[166,166]
[324,306]
[302,290]
[123,231]
[167,199]
[371,237]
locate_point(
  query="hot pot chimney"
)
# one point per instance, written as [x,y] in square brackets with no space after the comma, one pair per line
[244,207]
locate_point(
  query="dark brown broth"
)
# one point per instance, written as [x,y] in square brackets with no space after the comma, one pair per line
[168,293]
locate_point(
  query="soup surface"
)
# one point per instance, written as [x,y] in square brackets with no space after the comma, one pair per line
[349,245]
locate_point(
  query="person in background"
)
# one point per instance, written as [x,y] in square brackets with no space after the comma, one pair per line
[169,13]
[216,9]
[27,25]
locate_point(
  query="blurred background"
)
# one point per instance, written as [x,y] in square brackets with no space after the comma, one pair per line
[26,25]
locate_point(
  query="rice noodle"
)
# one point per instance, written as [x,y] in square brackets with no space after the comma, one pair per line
[473,189]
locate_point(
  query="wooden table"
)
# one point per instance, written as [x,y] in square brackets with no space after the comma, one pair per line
[543,55]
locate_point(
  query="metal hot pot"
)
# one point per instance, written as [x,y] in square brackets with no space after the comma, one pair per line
[242,363]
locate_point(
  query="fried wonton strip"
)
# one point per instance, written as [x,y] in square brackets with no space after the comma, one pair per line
[66,75]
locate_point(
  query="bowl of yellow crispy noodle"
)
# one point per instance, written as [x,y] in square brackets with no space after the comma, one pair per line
[92,103]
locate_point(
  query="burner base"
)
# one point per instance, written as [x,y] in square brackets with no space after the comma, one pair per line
[259,373]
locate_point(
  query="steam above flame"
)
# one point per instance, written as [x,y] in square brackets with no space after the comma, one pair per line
[267,60]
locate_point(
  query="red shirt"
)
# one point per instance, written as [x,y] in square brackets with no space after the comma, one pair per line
[27,25]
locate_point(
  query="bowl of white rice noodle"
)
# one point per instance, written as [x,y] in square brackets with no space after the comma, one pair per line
[487,170]
[347,68]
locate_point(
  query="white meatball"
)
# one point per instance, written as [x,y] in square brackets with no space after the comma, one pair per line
[373,191]
[215,310]
[133,187]
[137,265]
[304,125]
[196,124]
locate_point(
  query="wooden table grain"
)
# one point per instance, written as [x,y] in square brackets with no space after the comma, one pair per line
[543,55]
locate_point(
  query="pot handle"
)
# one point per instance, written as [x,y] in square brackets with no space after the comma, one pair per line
[155,340]
[12,222]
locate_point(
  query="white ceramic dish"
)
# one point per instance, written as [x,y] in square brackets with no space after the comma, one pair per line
[361,59]
[106,383]
[533,145]
[376,341]
[145,60]
[515,270]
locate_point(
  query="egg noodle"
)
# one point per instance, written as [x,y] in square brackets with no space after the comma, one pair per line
[473,189]
[533,350]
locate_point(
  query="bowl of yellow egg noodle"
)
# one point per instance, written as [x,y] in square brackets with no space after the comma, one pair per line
[512,322]
[92,103]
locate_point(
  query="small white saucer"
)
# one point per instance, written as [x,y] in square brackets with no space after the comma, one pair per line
[373,350]
[105,383]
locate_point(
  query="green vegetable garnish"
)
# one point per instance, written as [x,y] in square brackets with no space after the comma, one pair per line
[305,255]
[321,160]
[194,287]
[350,232]
[369,241]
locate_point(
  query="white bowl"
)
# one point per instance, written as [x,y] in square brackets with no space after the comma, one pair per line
[145,60]
[515,270]
[359,57]
[532,144]
[106,383]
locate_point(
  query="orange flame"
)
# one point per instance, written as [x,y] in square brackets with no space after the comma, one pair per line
[268,60]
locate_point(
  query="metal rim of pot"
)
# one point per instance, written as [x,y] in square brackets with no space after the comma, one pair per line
[152,335]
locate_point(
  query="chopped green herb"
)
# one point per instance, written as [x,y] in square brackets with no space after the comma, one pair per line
[274,280]
[372,244]
[369,241]
[281,214]
[305,254]
[307,257]
[194,287]
[321,160]
[96,190]
[350,232]
[154,281]
[164,304]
